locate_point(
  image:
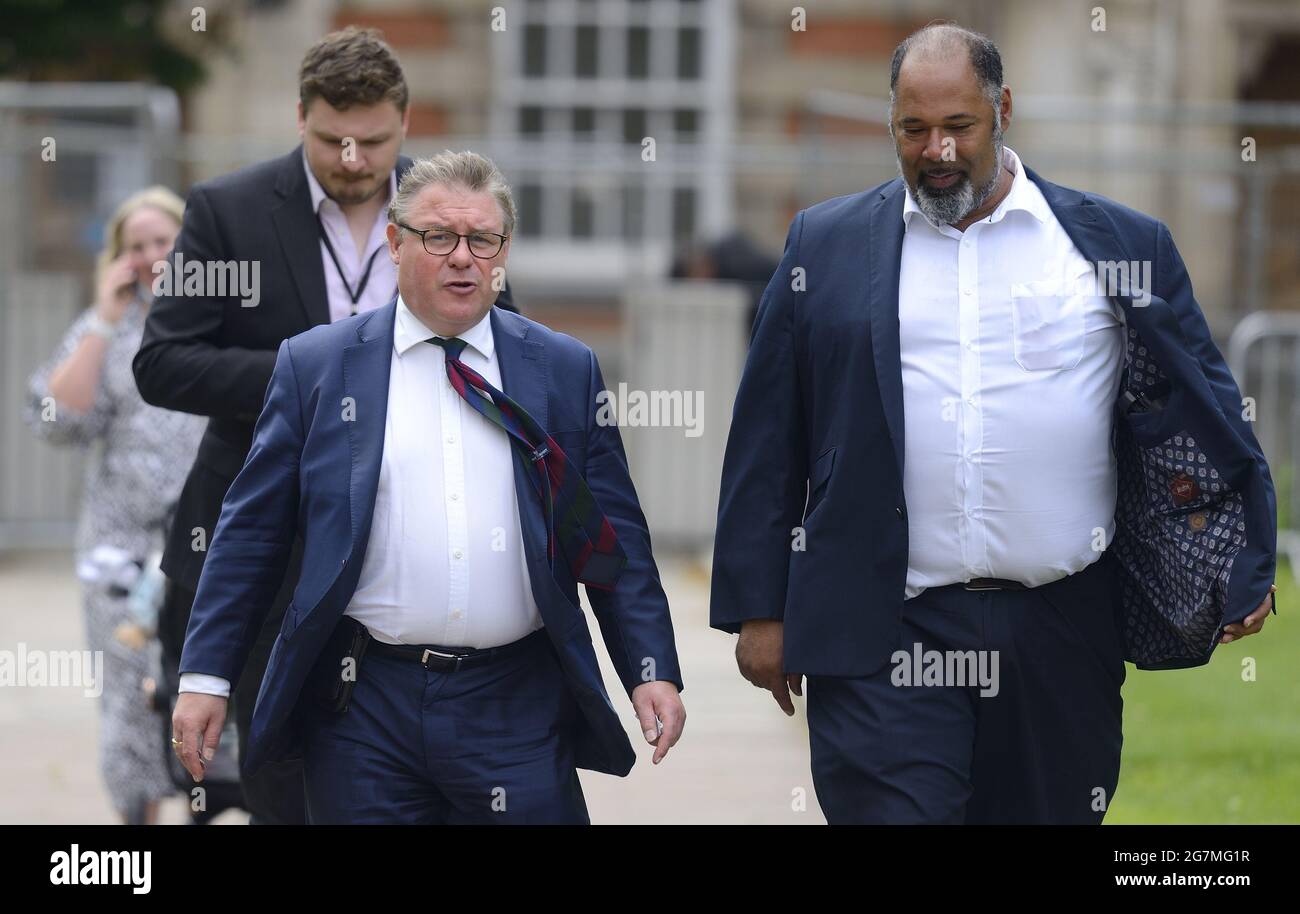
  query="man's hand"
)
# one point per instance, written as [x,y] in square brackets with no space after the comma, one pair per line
[1253,623]
[760,658]
[658,702]
[196,724]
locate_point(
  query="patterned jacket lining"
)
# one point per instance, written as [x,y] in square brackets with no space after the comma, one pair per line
[1178,527]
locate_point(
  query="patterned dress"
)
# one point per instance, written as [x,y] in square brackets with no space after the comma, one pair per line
[141,455]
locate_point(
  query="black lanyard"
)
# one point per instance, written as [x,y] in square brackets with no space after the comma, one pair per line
[365,277]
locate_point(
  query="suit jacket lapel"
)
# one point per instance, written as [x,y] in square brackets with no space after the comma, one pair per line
[525,378]
[1093,233]
[366,367]
[1086,223]
[885,252]
[299,233]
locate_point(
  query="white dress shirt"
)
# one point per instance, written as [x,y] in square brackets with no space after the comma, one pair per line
[382,285]
[445,563]
[1011,366]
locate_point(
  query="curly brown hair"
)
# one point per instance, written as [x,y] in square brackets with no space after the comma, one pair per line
[353,66]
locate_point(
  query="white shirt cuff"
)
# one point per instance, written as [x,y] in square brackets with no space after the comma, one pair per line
[205,683]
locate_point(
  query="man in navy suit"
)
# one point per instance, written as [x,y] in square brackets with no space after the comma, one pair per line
[434,665]
[312,222]
[983,452]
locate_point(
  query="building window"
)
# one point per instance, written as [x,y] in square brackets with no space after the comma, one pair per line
[534,50]
[636,69]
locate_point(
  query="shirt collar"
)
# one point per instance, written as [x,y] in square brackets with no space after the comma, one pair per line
[1022,196]
[318,195]
[408,330]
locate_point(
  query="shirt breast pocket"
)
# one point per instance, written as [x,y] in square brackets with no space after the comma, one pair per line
[1047,326]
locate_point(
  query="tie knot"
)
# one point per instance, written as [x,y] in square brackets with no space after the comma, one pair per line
[453,345]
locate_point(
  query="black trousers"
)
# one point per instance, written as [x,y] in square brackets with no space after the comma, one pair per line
[276,795]
[1036,739]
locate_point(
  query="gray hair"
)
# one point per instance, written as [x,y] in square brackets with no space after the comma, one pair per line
[467,170]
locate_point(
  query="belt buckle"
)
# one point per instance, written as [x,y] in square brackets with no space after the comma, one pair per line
[972,586]
[454,658]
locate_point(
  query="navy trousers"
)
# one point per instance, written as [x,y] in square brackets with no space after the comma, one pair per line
[490,744]
[1044,749]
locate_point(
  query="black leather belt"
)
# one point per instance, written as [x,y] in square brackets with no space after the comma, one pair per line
[438,659]
[993,584]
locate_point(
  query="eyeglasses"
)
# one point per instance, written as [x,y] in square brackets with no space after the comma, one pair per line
[440,242]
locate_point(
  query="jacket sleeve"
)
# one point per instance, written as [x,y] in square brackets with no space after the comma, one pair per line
[183,363]
[634,618]
[250,548]
[765,469]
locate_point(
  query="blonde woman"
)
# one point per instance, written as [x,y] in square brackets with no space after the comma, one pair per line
[83,396]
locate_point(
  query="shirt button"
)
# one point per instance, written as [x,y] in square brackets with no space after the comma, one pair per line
[455,496]
[455,613]
[456,553]
[965,291]
[451,439]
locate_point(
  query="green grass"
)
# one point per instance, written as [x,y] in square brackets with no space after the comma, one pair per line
[1283,483]
[1204,746]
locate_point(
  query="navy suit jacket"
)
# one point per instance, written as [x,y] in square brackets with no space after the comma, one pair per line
[817,441]
[314,475]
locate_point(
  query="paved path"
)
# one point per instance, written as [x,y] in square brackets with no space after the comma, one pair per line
[741,759]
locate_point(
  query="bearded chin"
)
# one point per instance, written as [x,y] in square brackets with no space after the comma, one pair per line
[950,205]
[350,195]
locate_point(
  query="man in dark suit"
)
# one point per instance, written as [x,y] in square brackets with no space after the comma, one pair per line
[313,225]
[434,665]
[1079,488]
